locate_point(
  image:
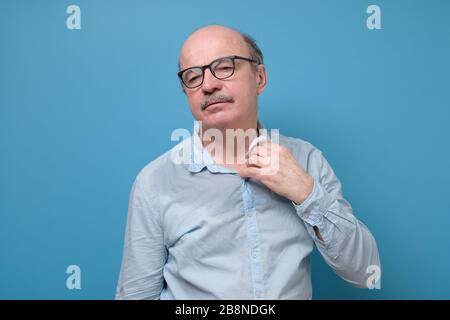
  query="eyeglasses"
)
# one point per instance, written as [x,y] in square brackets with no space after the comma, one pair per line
[221,68]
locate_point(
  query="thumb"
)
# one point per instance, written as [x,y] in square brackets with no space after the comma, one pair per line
[250,172]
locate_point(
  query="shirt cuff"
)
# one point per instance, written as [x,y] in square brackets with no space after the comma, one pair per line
[314,207]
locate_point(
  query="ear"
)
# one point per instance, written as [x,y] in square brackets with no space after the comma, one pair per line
[262,78]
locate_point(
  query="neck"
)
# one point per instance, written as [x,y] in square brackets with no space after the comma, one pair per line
[229,146]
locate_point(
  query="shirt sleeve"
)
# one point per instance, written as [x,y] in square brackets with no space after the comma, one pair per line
[144,255]
[348,247]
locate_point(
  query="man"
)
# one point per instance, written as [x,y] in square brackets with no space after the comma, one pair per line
[217,229]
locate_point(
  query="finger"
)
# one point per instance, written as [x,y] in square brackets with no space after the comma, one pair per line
[262,150]
[265,156]
[256,160]
[258,141]
[250,172]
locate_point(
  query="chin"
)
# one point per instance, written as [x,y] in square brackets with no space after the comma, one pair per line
[218,121]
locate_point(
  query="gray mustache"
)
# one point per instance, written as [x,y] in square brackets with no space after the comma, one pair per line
[216,99]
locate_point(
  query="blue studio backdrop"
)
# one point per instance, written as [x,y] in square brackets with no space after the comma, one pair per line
[84,107]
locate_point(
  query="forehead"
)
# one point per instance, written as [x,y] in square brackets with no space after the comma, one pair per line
[207,45]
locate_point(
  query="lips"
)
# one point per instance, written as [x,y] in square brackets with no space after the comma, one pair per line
[213,103]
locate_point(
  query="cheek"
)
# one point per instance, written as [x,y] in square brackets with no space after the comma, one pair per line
[250,84]
[247,91]
[240,86]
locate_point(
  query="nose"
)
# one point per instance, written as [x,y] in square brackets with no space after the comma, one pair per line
[210,83]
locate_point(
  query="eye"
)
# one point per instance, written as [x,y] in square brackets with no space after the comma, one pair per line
[224,68]
[193,79]
[192,75]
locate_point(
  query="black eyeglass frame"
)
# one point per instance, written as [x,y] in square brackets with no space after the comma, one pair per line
[208,66]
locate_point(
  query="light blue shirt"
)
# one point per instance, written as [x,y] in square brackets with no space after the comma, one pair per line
[200,231]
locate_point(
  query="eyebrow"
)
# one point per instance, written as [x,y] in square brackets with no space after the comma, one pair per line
[200,66]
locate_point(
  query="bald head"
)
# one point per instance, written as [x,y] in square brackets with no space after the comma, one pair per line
[202,44]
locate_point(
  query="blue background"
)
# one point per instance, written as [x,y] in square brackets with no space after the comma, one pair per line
[82,111]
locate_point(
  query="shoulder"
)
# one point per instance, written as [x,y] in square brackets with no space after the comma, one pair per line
[306,153]
[299,147]
[296,143]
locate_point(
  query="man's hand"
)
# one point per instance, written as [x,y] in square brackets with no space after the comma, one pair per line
[275,166]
